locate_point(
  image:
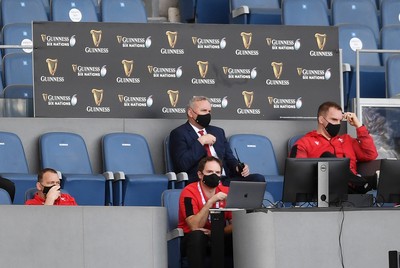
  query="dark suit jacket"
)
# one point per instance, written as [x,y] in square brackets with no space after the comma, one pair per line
[186,151]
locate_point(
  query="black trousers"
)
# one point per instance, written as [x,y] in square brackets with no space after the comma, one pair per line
[196,247]
[9,186]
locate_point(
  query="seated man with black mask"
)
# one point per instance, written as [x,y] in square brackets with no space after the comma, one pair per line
[325,142]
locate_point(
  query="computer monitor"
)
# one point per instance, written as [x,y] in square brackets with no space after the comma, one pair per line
[301,179]
[389,182]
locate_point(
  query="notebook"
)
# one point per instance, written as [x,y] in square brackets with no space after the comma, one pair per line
[245,195]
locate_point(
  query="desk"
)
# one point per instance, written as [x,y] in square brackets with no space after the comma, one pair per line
[309,237]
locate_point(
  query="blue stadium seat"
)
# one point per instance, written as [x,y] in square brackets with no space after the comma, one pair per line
[139,185]
[13,165]
[13,11]
[389,40]
[212,11]
[17,69]
[390,10]
[67,153]
[292,140]
[186,10]
[305,12]
[257,151]
[356,12]
[392,77]
[17,34]
[255,12]
[5,198]
[19,92]
[19,108]
[372,73]
[170,200]
[123,11]
[182,177]
[74,10]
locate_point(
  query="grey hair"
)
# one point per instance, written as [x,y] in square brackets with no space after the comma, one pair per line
[196,99]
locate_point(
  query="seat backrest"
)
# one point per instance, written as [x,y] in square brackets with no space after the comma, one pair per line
[305,12]
[392,77]
[17,34]
[13,11]
[292,140]
[5,198]
[256,151]
[390,10]
[18,69]
[356,12]
[12,154]
[126,152]
[389,40]
[255,3]
[352,37]
[170,200]
[123,11]
[211,11]
[18,92]
[73,10]
[65,152]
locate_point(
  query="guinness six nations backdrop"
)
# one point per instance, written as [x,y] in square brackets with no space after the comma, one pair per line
[125,70]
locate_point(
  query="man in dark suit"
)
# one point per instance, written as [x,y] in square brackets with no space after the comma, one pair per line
[196,139]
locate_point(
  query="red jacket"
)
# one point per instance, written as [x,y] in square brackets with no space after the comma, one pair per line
[63,200]
[312,145]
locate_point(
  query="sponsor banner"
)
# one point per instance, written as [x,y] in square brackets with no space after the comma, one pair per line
[128,70]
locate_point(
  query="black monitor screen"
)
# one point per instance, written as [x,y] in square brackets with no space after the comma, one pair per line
[389,182]
[301,179]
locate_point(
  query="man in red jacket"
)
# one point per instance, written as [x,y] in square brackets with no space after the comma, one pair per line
[49,193]
[325,142]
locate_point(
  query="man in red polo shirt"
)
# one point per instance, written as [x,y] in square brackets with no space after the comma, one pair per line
[48,186]
[195,202]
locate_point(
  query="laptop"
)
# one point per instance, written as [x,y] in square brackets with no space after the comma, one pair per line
[245,195]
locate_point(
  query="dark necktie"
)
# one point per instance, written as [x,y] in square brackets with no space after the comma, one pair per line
[206,146]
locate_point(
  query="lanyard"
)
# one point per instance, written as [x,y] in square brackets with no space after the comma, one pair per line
[203,200]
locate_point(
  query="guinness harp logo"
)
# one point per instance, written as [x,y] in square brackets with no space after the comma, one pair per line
[194,40]
[120,98]
[44,37]
[173,97]
[299,71]
[246,38]
[321,40]
[203,68]
[119,39]
[74,67]
[225,69]
[52,65]
[277,67]
[44,96]
[269,41]
[96,37]
[150,68]
[248,98]
[128,67]
[172,38]
[270,100]
[97,96]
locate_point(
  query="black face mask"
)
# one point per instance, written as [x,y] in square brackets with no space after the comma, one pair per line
[211,180]
[46,189]
[332,129]
[203,120]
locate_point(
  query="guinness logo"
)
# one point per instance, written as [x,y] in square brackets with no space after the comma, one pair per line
[203,68]
[299,71]
[128,67]
[225,69]
[194,40]
[270,100]
[248,98]
[43,36]
[277,67]
[121,98]
[96,37]
[173,97]
[172,38]
[44,96]
[246,38]
[52,65]
[321,40]
[119,39]
[74,67]
[269,41]
[97,96]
